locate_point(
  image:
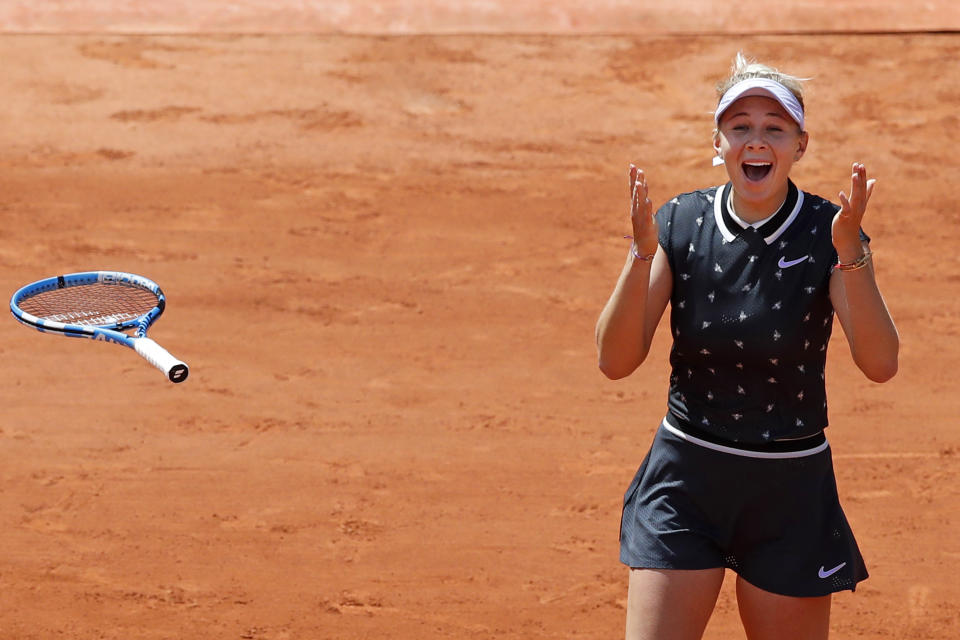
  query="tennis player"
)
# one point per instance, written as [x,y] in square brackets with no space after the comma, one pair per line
[740,473]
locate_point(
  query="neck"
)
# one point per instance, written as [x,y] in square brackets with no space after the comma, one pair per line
[751,211]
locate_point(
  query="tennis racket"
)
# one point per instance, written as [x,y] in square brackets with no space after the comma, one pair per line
[100,305]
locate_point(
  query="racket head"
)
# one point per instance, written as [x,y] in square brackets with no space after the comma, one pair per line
[84,304]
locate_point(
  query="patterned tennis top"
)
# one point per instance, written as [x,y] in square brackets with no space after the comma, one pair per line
[751,315]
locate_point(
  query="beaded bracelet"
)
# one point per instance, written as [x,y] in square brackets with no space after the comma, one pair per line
[633,250]
[857,264]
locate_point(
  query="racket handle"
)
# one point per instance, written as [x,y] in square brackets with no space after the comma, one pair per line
[175,370]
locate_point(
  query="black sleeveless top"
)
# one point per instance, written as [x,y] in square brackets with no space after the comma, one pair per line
[751,316]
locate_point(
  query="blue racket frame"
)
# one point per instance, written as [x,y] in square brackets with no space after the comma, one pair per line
[176,371]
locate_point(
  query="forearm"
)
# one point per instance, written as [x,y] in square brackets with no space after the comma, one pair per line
[622,344]
[870,330]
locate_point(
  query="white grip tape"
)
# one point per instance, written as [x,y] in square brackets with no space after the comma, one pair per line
[161,359]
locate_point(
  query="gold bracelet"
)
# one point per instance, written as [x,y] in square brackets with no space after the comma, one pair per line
[857,264]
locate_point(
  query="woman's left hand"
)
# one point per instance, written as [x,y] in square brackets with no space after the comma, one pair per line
[846,224]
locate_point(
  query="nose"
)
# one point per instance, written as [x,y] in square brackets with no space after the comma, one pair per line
[756,142]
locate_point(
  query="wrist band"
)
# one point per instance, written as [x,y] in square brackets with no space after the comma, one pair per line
[633,250]
[859,263]
[640,257]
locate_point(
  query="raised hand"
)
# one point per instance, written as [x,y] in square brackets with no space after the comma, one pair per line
[846,224]
[645,229]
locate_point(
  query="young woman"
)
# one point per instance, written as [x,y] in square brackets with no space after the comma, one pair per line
[740,474]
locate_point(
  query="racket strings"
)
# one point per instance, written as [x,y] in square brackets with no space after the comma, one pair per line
[95,304]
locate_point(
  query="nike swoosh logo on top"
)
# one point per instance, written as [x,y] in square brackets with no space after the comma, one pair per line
[783,264]
[830,572]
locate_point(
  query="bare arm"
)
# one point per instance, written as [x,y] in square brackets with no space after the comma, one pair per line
[630,317]
[627,323]
[863,314]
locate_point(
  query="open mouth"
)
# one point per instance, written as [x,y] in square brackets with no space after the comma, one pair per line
[756,171]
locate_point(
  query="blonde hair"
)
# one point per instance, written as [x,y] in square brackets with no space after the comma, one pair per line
[744,68]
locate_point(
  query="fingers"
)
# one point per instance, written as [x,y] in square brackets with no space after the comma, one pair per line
[641,202]
[870,184]
[637,178]
[645,229]
[861,186]
[860,190]
[858,182]
[638,190]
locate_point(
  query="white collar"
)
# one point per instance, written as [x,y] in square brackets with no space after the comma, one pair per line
[730,236]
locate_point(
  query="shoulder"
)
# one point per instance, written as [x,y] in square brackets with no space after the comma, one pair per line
[818,205]
[689,203]
[684,218]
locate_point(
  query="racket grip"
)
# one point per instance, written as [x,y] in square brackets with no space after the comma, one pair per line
[175,370]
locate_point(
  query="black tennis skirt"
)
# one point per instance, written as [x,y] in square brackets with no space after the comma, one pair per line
[772,516]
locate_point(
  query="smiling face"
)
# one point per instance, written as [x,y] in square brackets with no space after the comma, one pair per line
[759,142]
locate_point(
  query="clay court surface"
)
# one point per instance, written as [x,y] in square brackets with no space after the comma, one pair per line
[384,257]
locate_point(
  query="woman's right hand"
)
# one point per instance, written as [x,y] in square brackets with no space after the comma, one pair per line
[645,229]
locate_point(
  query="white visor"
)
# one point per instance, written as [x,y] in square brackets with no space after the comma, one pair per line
[761,87]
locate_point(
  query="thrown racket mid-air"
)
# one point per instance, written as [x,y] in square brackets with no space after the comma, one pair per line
[100,305]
